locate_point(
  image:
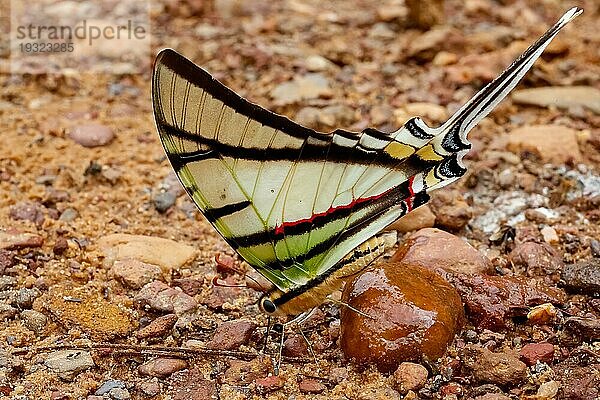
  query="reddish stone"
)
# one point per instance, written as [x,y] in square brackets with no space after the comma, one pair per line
[27,211]
[295,346]
[230,335]
[533,352]
[490,301]
[191,385]
[311,386]
[451,210]
[60,246]
[92,135]
[410,376]
[162,367]
[438,250]
[157,328]
[536,259]
[498,368]
[269,383]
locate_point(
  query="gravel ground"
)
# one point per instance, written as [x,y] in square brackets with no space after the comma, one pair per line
[106,267]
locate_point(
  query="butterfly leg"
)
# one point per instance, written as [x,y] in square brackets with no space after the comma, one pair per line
[308,344]
[281,328]
[269,326]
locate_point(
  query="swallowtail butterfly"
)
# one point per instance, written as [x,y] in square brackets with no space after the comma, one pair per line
[305,208]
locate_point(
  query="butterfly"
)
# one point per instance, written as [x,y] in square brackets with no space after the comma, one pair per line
[305,208]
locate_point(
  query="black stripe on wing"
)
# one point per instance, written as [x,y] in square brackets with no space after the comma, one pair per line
[199,77]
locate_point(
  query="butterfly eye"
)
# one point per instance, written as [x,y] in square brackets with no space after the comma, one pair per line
[268,306]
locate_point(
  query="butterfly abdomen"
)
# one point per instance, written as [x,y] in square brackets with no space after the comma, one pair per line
[316,291]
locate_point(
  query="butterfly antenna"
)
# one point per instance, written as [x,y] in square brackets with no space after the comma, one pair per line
[350,308]
[308,344]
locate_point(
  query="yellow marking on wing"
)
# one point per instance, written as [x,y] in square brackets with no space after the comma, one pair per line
[399,150]
[431,179]
[428,153]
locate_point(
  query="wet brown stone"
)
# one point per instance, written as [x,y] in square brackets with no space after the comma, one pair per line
[583,277]
[490,301]
[451,210]
[415,312]
[230,335]
[157,328]
[435,249]
[536,259]
[162,367]
[534,352]
[499,368]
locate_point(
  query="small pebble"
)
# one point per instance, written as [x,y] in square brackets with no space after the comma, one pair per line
[13,239]
[164,200]
[230,335]
[548,390]
[595,248]
[7,312]
[108,385]
[295,346]
[269,383]
[410,376]
[162,367]
[68,215]
[533,352]
[583,277]
[34,320]
[549,234]
[92,135]
[161,326]
[67,364]
[119,394]
[134,273]
[150,389]
[542,314]
[498,368]
[311,386]
[451,210]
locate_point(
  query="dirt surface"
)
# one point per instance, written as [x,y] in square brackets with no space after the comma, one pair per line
[64,281]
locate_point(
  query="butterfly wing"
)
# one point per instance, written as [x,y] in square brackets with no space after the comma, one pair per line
[292,201]
[281,194]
